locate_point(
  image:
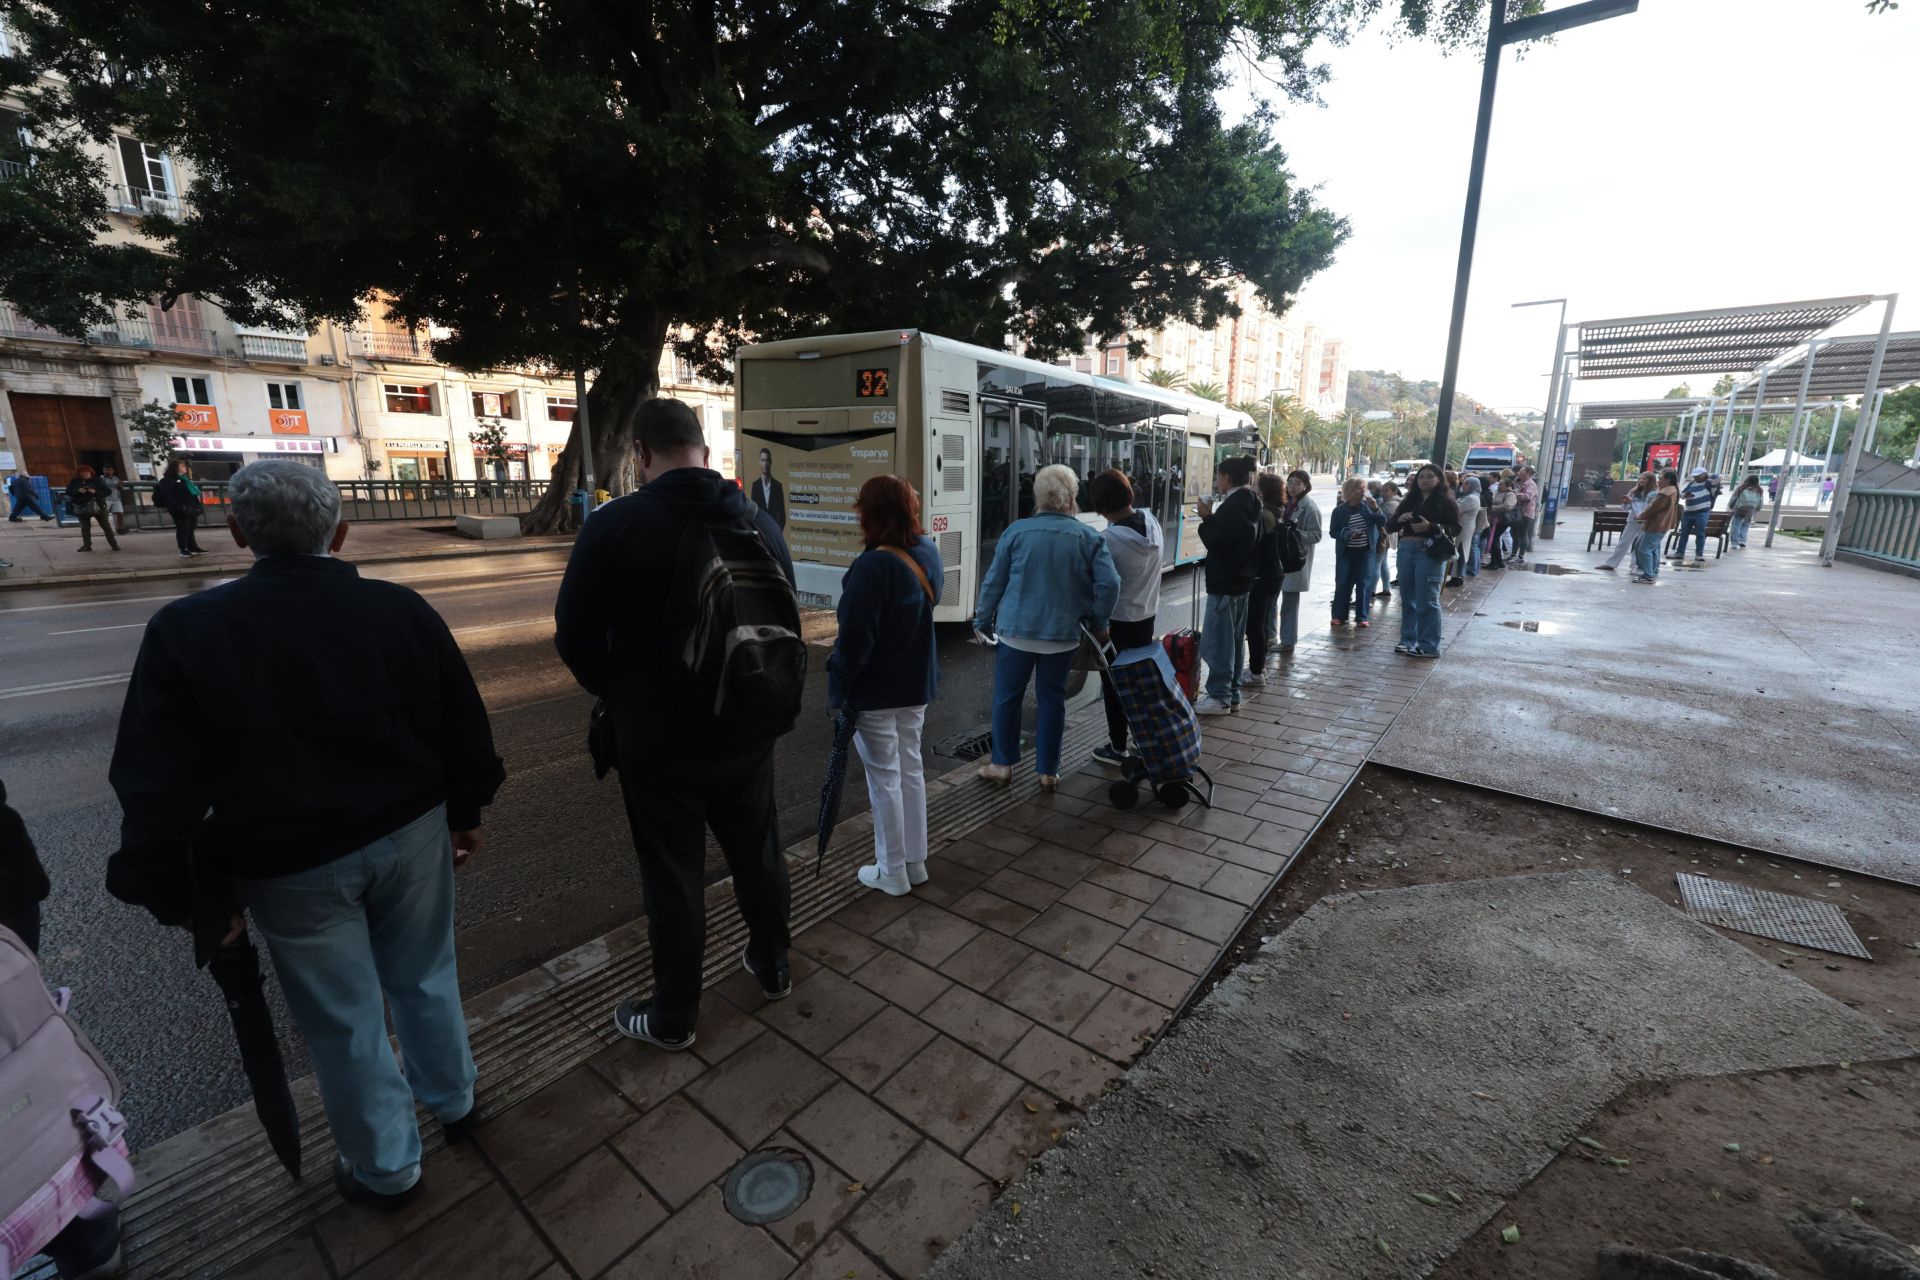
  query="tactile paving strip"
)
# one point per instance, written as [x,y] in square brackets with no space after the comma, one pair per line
[1805,922]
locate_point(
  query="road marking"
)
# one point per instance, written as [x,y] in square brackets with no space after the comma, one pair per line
[502,626]
[88,630]
[85,604]
[64,686]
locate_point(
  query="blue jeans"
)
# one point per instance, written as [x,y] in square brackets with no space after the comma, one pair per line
[1693,525]
[1352,582]
[1474,542]
[1385,564]
[1012,668]
[1420,579]
[378,919]
[1220,647]
[1646,553]
[1737,527]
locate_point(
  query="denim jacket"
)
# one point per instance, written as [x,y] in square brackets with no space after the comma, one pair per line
[1050,573]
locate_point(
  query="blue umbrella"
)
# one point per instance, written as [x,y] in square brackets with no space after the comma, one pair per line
[835,783]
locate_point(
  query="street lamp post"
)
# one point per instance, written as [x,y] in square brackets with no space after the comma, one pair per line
[1500,34]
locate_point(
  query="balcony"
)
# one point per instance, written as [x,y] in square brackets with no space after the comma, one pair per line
[390,345]
[140,202]
[137,335]
[261,346]
[12,169]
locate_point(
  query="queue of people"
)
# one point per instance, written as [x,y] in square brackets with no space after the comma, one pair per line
[99,498]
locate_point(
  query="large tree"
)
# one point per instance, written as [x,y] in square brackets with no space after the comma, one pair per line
[569,183]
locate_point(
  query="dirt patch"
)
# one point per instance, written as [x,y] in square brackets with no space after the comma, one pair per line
[1826,1137]
[1816,1136]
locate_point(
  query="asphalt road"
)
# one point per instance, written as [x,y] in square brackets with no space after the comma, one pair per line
[557,869]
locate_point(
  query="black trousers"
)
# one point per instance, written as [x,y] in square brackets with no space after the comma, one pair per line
[1125,635]
[1261,621]
[24,919]
[85,1245]
[183,530]
[670,805]
[86,530]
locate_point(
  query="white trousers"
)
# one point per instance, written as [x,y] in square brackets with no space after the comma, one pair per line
[889,747]
[1624,546]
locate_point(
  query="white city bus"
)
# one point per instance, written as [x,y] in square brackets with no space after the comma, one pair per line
[815,418]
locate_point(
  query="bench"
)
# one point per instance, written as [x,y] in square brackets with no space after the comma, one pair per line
[1605,525]
[487,526]
[1717,522]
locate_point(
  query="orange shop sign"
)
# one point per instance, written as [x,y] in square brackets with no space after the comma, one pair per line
[197,417]
[287,422]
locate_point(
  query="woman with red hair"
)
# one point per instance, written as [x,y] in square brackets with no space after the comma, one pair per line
[885,670]
[87,498]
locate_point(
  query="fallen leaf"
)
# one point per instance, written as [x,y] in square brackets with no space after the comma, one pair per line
[1425,1198]
[1731,1146]
[1456,1197]
[1380,1243]
[856,1186]
[1031,1109]
[1617,1162]
[1585,1141]
[1016,1208]
[1766,1159]
[1510,1235]
[1857,1203]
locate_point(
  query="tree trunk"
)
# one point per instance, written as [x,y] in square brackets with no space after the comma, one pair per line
[629,376]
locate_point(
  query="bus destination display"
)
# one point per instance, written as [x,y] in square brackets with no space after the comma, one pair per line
[871,384]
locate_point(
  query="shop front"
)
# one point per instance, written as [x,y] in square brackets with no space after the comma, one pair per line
[417,460]
[512,467]
[216,458]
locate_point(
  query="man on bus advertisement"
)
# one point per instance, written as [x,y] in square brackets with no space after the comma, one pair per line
[820,486]
[768,493]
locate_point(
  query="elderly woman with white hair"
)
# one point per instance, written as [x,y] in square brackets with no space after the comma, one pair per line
[1050,574]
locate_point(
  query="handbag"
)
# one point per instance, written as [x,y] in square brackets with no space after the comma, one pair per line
[602,746]
[1442,547]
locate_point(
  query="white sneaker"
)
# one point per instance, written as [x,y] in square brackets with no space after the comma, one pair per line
[896,885]
[917,872]
[1208,705]
[999,773]
[1253,680]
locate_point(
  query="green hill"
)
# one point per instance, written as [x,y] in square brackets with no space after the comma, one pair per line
[1375,390]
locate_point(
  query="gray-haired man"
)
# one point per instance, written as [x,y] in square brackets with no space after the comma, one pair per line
[318,740]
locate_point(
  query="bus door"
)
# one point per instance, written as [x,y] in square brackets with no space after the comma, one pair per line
[1012,448]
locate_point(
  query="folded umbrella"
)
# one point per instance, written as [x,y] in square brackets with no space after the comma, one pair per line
[835,783]
[236,967]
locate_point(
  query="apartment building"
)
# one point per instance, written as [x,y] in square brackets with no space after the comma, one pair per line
[1248,356]
[367,402]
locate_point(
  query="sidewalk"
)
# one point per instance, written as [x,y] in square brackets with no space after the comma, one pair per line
[46,556]
[932,1047]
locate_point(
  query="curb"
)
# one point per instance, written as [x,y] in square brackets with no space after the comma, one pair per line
[514,545]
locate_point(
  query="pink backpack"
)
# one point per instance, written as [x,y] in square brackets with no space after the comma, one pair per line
[63,1151]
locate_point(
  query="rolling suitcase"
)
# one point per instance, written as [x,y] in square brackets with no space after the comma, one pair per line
[1183,649]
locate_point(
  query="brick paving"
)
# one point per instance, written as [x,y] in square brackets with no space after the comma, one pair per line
[932,1046]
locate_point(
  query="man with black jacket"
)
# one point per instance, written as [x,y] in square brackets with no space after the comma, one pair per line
[682,769]
[312,742]
[1231,531]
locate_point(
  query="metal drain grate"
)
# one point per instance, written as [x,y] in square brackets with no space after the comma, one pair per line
[767,1186]
[965,746]
[1805,922]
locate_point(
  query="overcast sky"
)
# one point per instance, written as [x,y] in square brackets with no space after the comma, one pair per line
[1696,154]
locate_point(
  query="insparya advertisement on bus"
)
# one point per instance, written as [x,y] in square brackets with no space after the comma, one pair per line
[810,492]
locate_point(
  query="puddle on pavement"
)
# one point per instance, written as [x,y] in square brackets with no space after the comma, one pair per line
[1555,569]
[1544,628]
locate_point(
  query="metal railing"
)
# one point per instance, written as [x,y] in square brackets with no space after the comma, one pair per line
[140,201]
[387,345]
[260,346]
[12,169]
[364,501]
[122,331]
[1883,524]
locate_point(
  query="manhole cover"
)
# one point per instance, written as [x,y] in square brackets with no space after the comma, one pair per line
[965,746]
[1806,922]
[768,1185]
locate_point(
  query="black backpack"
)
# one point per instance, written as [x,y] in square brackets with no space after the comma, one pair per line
[739,623]
[1288,546]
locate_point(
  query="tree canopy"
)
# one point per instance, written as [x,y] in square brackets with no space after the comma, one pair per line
[571,185]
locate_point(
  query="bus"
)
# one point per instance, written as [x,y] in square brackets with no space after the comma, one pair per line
[1404,468]
[815,418]
[1490,457]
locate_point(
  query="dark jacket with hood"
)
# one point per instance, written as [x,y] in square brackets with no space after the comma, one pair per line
[612,620]
[1232,536]
[23,881]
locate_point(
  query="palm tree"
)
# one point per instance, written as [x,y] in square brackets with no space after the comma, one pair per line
[1167,378]
[1207,391]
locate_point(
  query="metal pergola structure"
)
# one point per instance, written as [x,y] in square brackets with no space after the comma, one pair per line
[1779,343]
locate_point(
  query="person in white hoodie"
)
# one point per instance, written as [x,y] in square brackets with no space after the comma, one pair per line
[1135,540]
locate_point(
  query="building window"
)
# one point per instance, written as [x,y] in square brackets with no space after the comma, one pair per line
[561,409]
[1113,362]
[149,172]
[284,395]
[408,397]
[495,404]
[191,391]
